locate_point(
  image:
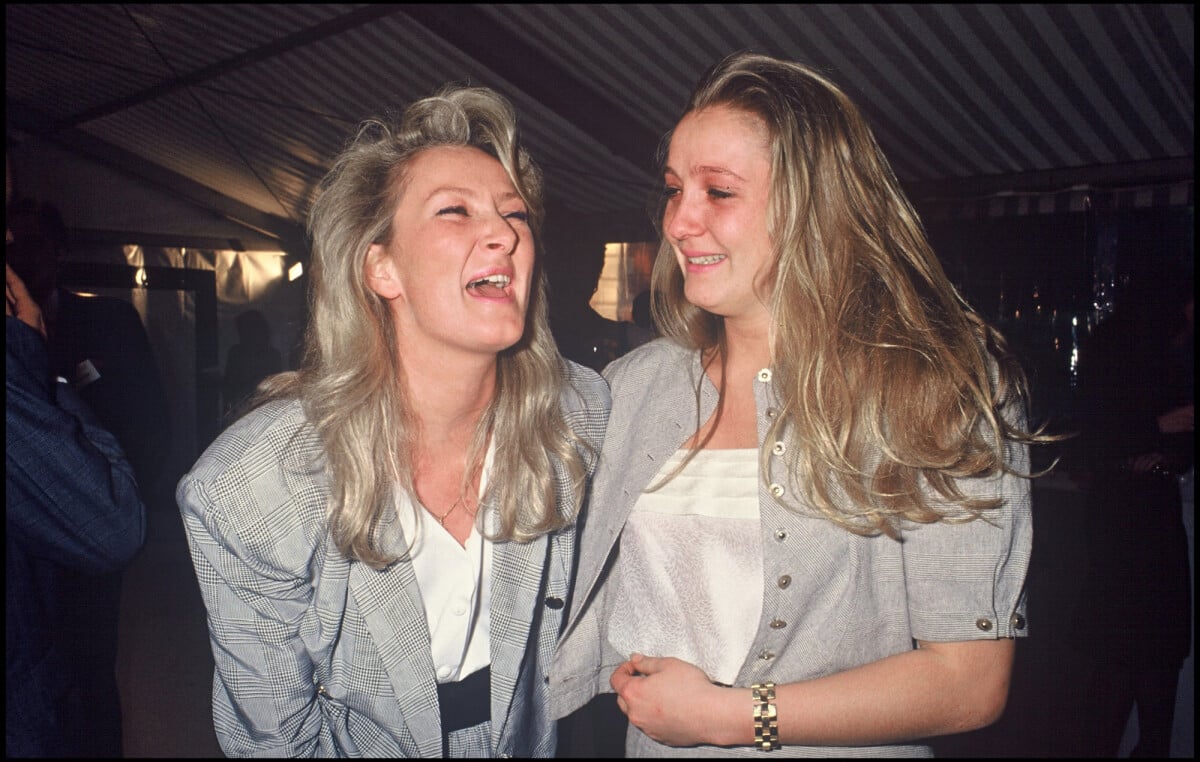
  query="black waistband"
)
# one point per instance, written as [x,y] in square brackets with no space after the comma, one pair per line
[466,702]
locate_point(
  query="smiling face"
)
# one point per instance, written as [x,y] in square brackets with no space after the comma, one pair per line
[458,269]
[718,181]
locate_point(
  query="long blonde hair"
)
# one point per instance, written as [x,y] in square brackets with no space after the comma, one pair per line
[348,380]
[891,386]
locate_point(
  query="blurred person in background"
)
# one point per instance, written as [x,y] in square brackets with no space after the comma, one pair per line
[73,520]
[1137,429]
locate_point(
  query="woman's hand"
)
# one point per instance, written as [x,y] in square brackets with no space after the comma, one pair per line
[670,700]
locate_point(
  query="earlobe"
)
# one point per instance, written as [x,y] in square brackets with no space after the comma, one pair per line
[379,272]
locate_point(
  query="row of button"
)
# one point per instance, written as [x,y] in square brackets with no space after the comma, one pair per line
[777,491]
[985,624]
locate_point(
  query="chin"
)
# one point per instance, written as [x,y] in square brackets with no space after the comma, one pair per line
[503,343]
[702,300]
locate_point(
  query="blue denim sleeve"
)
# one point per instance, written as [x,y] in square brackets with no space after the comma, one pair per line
[70,493]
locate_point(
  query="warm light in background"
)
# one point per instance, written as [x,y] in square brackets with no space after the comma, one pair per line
[626,274]
[295,271]
[606,300]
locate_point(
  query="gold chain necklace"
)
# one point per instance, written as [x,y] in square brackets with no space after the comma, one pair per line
[442,519]
[459,501]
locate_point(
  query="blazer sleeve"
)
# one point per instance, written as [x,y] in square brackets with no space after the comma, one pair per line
[257,586]
[586,408]
[71,493]
[966,581]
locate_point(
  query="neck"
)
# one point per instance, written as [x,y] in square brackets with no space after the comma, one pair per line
[747,345]
[448,403]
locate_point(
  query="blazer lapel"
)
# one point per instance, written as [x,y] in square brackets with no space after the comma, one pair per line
[665,424]
[391,606]
[517,572]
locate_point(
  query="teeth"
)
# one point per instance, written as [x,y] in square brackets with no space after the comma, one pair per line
[709,260]
[496,280]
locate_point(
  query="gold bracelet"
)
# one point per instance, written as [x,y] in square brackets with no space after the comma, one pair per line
[766,727]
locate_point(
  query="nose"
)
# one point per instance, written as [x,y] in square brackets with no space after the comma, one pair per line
[501,236]
[681,218]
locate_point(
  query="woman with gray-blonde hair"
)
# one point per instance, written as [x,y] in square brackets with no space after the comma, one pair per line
[384,542]
[811,522]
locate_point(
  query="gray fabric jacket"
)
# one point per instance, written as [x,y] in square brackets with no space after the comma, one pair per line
[832,599]
[320,656]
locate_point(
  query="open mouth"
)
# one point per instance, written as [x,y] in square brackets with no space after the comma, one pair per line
[492,286]
[710,259]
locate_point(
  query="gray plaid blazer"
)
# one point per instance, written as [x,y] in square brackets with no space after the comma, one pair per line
[320,656]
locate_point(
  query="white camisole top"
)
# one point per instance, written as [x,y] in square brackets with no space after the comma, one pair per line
[688,578]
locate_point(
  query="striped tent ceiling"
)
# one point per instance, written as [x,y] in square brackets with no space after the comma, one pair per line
[239,108]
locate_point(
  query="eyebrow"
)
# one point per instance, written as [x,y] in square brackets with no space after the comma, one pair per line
[506,196]
[709,170]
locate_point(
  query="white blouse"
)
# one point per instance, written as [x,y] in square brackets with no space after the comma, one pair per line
[455,584]
[688,578]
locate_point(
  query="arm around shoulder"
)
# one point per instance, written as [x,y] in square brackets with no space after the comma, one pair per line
[586,406]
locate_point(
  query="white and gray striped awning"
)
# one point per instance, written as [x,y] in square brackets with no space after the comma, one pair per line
[982,108]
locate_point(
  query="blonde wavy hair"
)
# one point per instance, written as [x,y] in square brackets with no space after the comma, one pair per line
[350,382]
[891,386]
